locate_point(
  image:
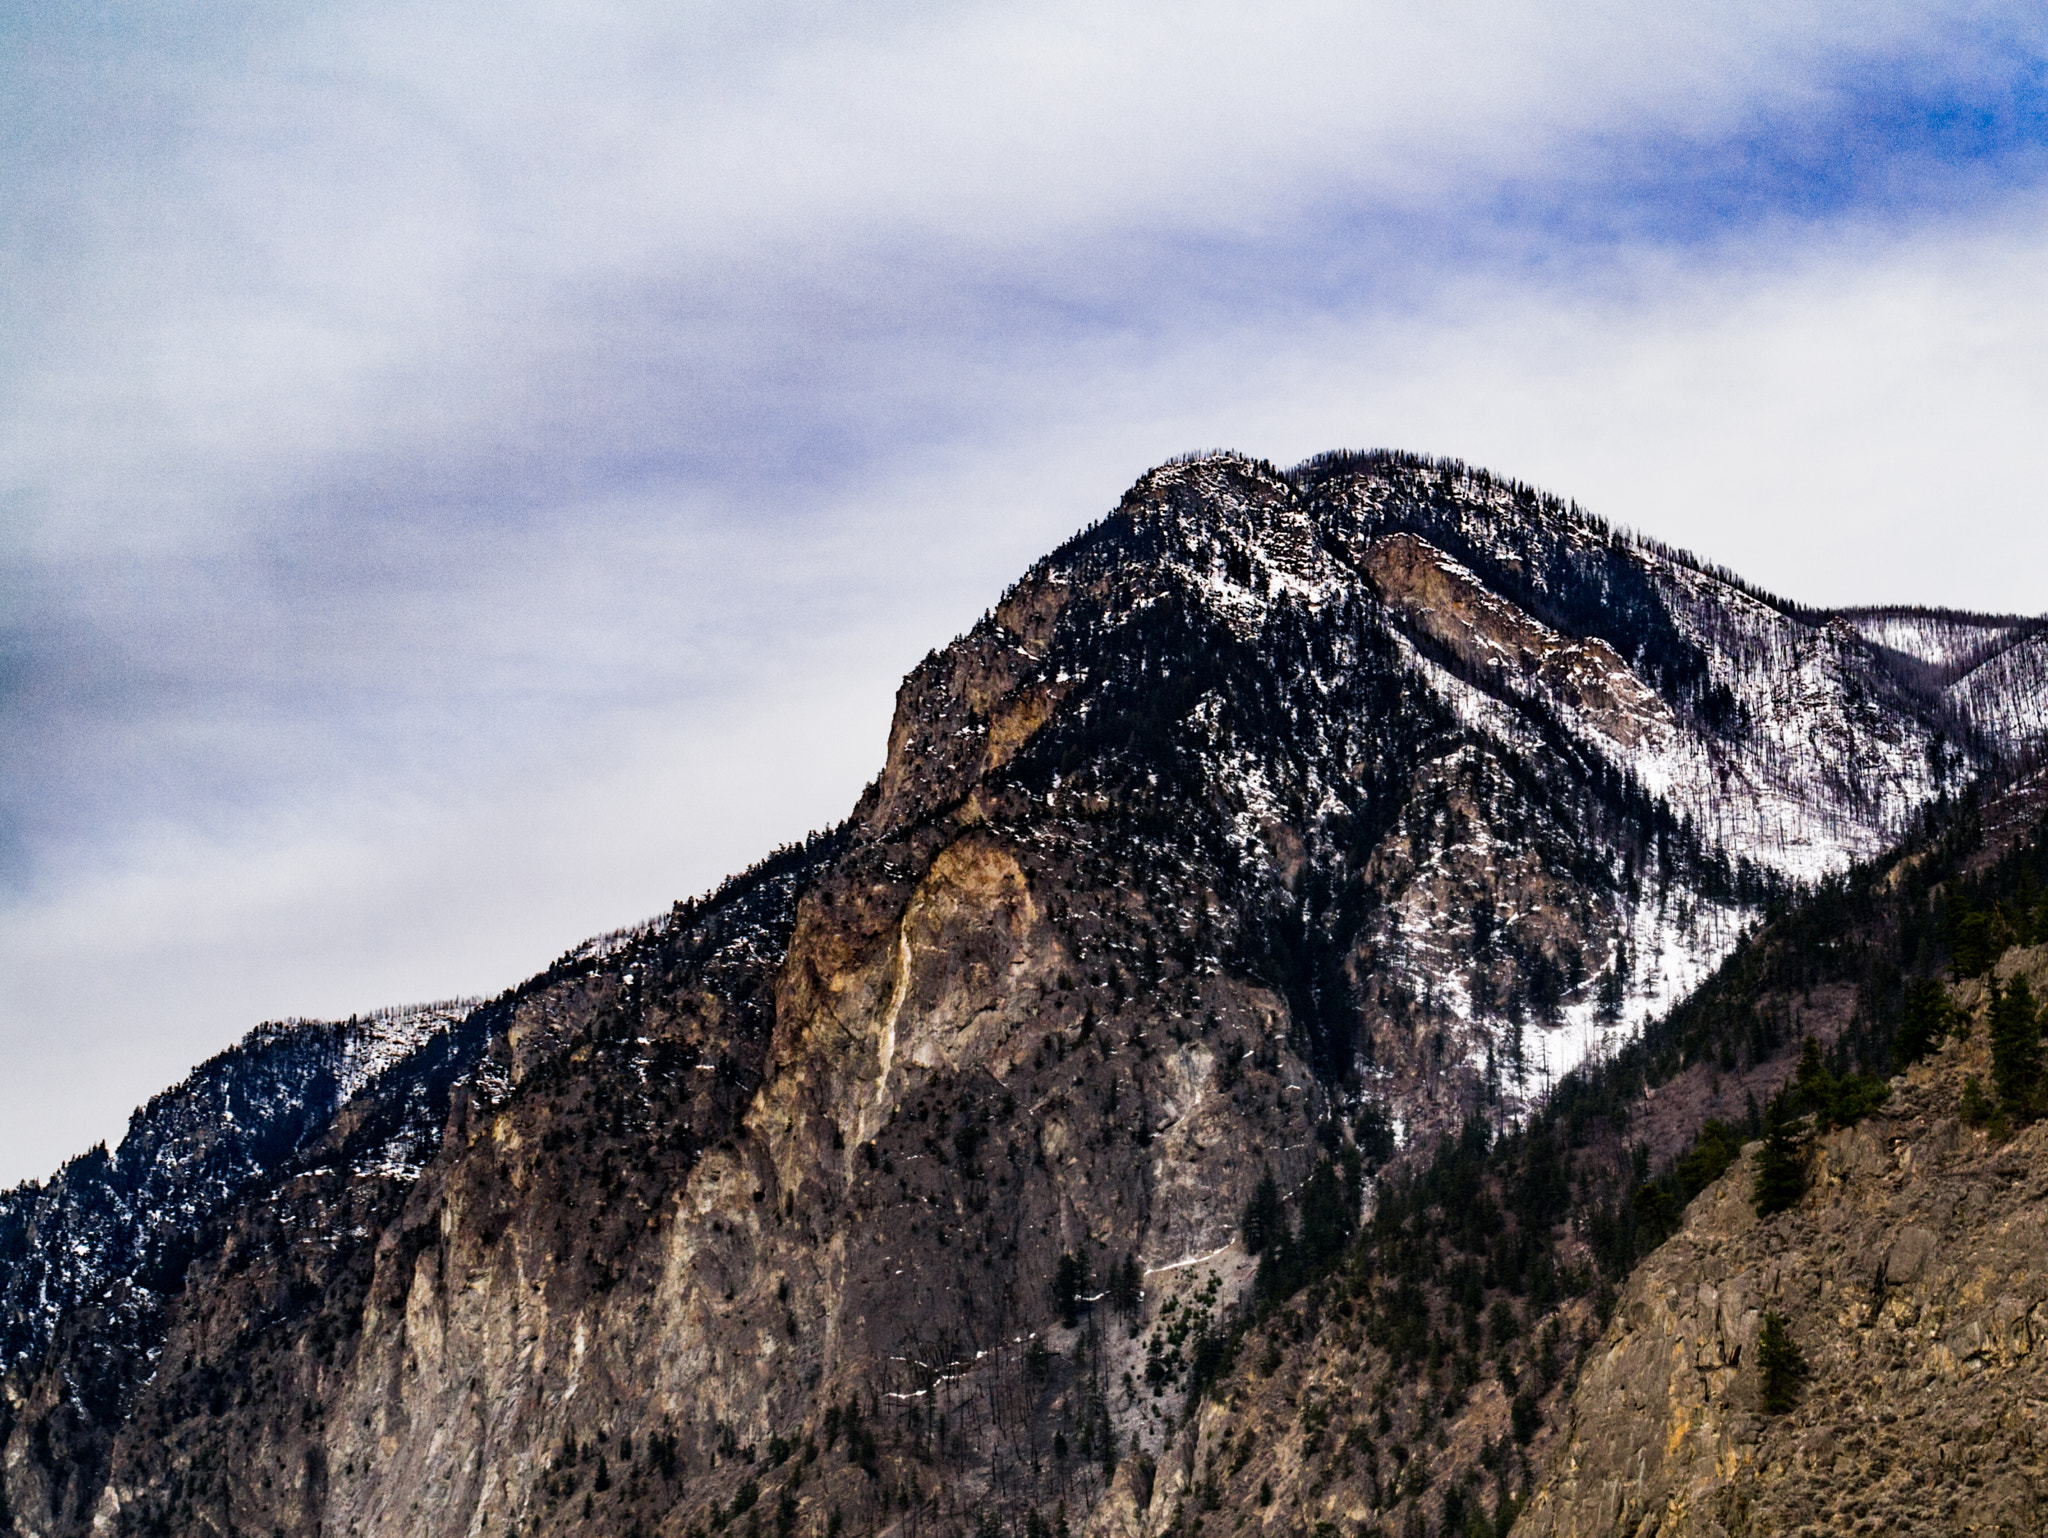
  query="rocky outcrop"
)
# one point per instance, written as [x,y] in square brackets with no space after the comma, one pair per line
[1914,1278]
[1509,648]
[1213,852]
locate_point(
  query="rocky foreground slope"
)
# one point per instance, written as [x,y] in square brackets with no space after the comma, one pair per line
[1274,827]
[1914,1279]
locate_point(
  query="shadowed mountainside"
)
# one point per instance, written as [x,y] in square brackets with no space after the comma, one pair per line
[1274,827]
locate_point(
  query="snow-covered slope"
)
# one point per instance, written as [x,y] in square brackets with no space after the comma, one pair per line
[1943,638]
[1783,736]
[1768,739]
[2006,696]
[124,1222]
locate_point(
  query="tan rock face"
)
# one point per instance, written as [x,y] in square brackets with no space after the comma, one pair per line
[1914,1277]
[1497,640]
[963,713]
[1176,865]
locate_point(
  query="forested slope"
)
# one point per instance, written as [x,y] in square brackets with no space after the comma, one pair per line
[1158,1093]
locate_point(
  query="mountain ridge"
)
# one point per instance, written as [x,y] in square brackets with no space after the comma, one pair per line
[1271,805]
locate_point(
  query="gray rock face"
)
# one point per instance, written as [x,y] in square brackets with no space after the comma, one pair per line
[1271,801]
[1914,1277]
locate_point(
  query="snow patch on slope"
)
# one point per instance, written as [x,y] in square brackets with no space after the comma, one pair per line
[2006,698]
[1822,772]
[1673,948]
[1944,640]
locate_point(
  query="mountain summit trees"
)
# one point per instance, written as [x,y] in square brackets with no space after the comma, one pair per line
[1233,998]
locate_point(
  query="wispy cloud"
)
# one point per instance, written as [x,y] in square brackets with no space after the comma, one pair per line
[470,476]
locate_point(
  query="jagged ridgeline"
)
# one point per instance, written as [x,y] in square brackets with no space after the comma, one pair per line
[139,1213]
[1275,827]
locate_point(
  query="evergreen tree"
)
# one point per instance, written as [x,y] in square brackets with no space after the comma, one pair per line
[1325,1225]
[1813,1087]
[1973,945]
[1780,1166]
[2016,1048]
[1126,1285]
[1069,1279]
[1374,1133]
[1263,1218]
[1613,993]
[1926,1016]
[1525,1415]
[1976,1105]
[1655,1214]
[1713,1150]
[1280,1269]
[1781,1366]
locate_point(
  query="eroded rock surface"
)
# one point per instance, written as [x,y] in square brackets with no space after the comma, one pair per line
[1914,1277]
[1218,843]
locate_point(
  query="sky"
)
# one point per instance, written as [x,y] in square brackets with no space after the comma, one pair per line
[472,475]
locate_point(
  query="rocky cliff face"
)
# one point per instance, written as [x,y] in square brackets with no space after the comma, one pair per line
[1914,1277]
[1274,821]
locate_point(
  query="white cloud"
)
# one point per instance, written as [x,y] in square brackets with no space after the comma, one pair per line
[471,477]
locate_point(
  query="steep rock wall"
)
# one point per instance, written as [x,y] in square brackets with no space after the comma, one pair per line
[1914,1277]
[1197,856]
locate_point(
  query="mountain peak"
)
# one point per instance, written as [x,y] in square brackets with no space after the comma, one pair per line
[1272,827]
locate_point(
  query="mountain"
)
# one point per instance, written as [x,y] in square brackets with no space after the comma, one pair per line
[1275,828]
[93,1264]
[191,1154]
[1908,1281]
